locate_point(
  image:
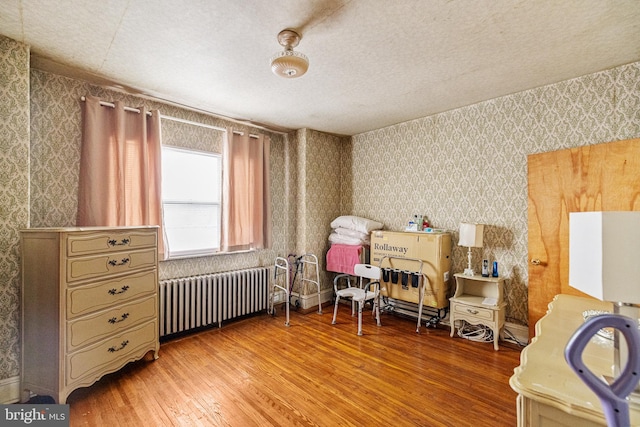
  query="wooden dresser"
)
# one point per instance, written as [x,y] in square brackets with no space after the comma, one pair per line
[549,392]
[89,304]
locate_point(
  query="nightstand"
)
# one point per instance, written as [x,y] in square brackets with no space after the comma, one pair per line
[480,301]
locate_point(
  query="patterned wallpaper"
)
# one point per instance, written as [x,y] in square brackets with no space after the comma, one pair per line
[187,135]
[14,193]
[470,164]
[319,189]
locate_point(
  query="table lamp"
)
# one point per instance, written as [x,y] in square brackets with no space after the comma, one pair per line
[471,237]
[604,262]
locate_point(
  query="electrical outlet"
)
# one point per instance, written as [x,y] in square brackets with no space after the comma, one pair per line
[276,297]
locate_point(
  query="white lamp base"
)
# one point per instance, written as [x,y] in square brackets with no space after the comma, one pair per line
[469,271]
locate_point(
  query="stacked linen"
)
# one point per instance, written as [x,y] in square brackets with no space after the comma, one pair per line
[349,235]
[352,230]
[346,236]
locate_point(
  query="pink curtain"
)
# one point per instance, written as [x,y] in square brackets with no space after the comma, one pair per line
[120,168]
[246,196]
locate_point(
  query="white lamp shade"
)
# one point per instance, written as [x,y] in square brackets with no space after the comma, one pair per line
[471,235]
[604,255]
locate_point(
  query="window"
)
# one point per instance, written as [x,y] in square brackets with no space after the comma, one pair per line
[191,201]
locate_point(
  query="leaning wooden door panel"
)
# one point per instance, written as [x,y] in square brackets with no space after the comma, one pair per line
[601,177]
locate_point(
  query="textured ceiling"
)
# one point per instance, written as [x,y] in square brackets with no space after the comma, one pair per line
[373,63]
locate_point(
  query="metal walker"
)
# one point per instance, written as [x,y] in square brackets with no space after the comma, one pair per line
[306,266]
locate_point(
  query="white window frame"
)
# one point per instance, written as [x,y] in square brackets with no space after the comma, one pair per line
[201,203]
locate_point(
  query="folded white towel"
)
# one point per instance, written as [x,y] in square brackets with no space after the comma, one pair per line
[347,240]
[356,223]
[351,233]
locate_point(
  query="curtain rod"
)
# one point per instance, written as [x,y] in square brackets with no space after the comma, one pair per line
[112,105]
[251,135]
[190,122]
[175,119]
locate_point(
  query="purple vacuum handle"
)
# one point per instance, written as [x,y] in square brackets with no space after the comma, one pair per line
[612,397]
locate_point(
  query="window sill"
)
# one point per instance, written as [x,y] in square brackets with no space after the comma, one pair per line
[205,255]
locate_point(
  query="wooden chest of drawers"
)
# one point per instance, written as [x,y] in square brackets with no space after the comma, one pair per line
[90,304]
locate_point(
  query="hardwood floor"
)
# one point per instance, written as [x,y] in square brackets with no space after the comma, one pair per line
[258,372]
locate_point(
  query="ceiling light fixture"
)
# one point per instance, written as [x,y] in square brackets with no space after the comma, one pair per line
[289,64]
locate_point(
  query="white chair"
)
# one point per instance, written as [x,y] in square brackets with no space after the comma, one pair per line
[370,291]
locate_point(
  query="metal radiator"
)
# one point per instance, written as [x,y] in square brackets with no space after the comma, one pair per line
[193,302]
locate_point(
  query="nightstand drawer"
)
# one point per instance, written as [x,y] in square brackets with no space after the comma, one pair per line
[478,312]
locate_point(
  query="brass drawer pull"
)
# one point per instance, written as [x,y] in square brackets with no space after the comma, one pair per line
[122,290]
[114,263]
[472,311]
[114,242]
[115,320]
[123,345]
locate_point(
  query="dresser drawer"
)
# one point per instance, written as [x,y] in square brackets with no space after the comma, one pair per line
[100,325]
[112,353]
[109,241]
[89,267]
[471,310]
[101,295]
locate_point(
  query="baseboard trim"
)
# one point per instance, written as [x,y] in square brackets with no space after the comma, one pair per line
[10,390]
[520,332]
[308,302]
